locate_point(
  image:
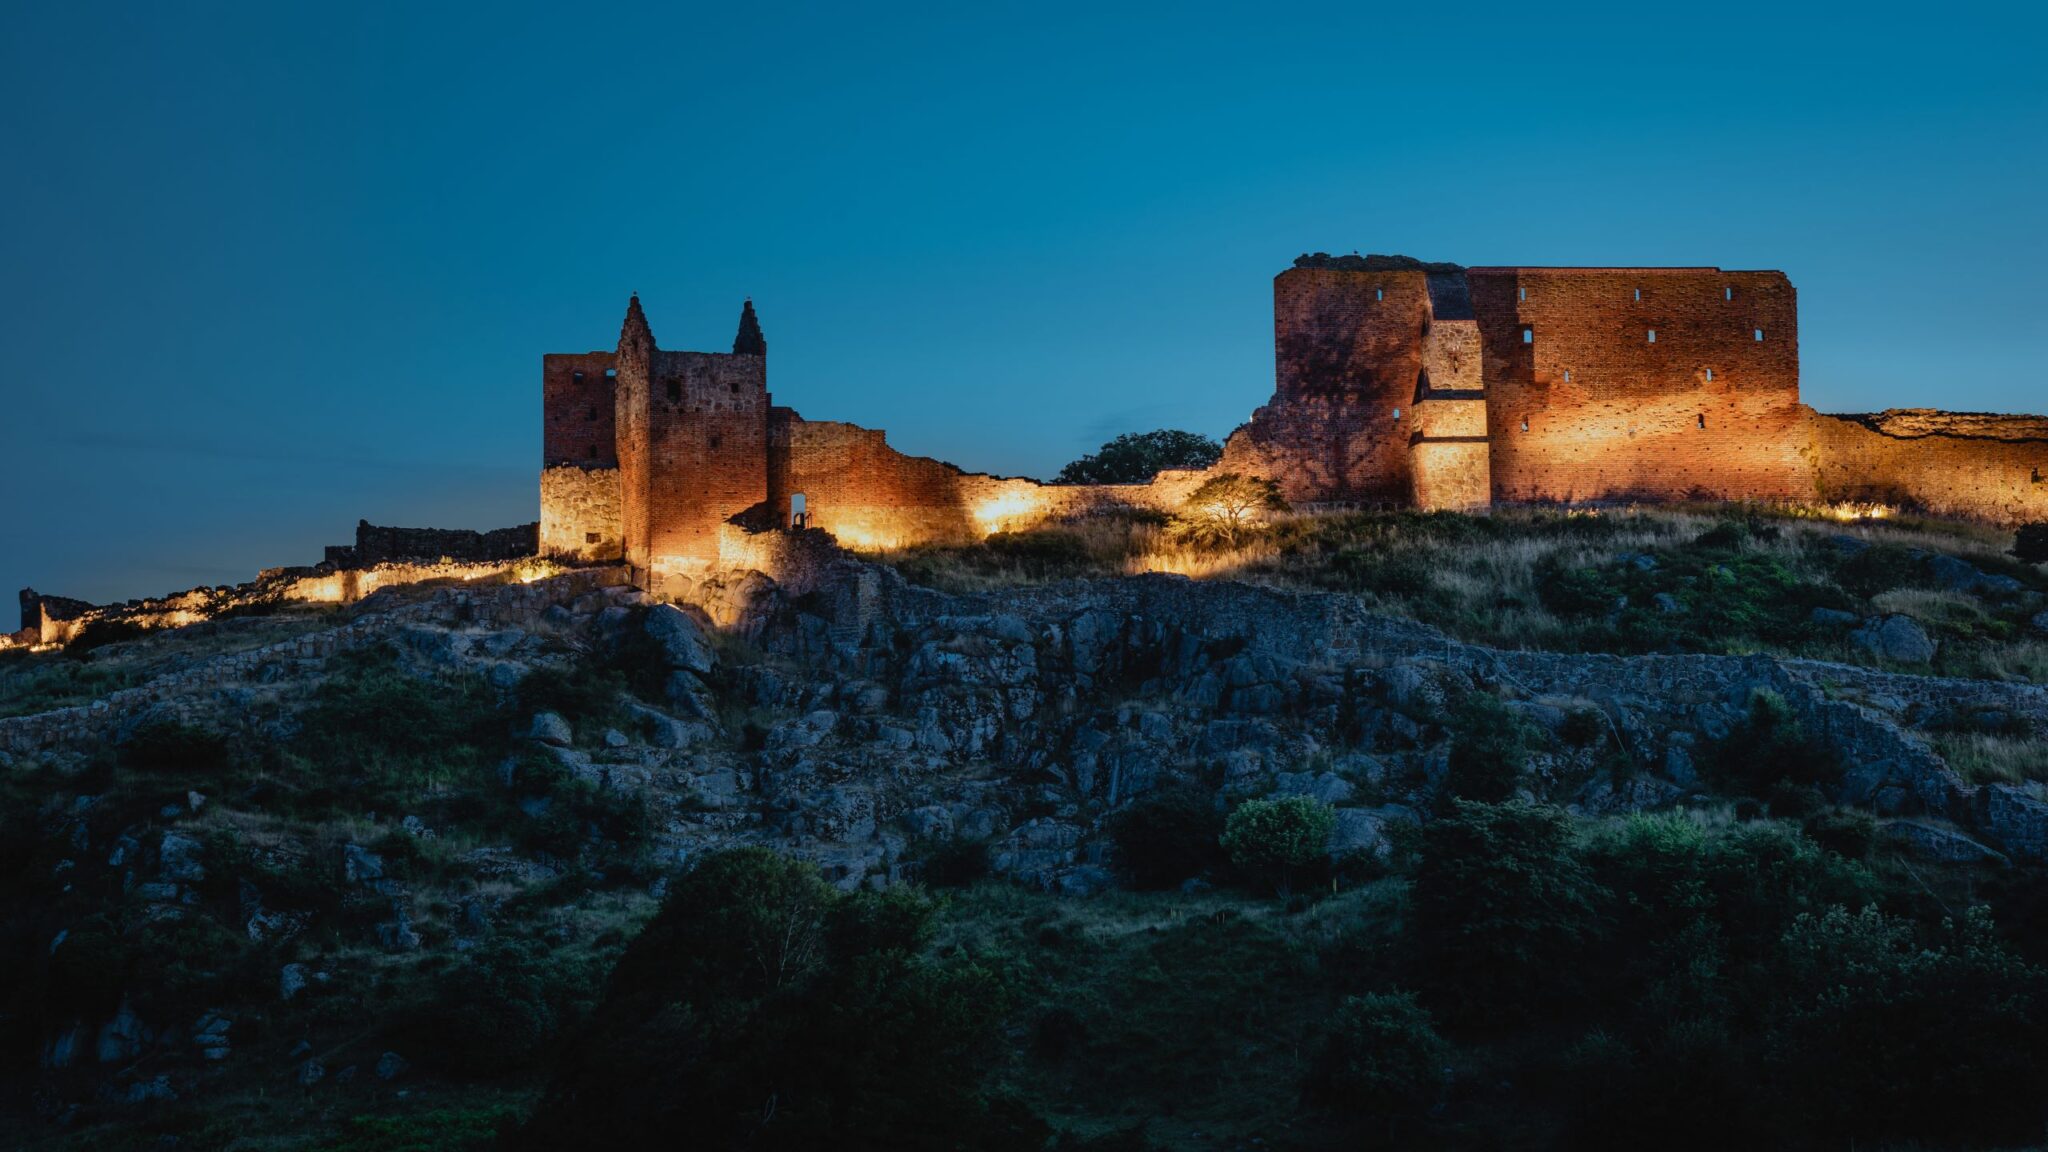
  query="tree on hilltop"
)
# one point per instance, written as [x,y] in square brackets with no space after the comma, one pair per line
[1136,457]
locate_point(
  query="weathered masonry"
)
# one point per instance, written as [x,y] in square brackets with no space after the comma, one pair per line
[1396,383]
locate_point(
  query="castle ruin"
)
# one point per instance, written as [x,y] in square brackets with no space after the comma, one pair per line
[1397,383]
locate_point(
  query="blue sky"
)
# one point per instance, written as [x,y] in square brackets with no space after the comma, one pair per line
[271,268]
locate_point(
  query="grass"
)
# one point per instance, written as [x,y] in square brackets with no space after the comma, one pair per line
[1710,578]
[1993,758]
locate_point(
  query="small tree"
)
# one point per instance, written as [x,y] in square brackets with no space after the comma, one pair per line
[1136,457]
[1278,839]
[1226,509]
[1383,1057]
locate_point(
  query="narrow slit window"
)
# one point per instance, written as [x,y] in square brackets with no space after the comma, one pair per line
[576,376]
[675,392]
[1710,374]
[1397,415]
[593,451]
[1759,335]
[1703,419]
[732,386]
[1521,293]
[1528,335]
[1653,335]
[1639,295]
[611,373]
[714,441]
[797,512]
[1525,425]
[2037,475]
[1728,292]
[592,537]
[1567,375]
[1379,293]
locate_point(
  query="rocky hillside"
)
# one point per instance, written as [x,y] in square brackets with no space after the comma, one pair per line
[305,877]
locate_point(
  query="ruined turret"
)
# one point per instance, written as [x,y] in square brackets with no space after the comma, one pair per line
[749,342]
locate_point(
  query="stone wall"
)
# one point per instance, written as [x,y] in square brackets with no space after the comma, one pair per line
[376,544]
[579,513]
[1961,464]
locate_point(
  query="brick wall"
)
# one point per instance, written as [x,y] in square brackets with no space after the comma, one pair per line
[578,418]
[1347,357]
[376,544]
[1950,463]
[707,452]
[1583,405]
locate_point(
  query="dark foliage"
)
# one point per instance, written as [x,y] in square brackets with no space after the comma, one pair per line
[1167,836]
[2030,543]
[762,1009]
[1136,457]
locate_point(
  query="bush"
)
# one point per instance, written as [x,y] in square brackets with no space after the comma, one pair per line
[1279,840]
[1383,1057]
[956,863]
[493,1013]
[763,1009]
[1768,748]
[173,748]
[1502,904]
[1488,752]
[1848,832]
[1886,1039]
[1167,836]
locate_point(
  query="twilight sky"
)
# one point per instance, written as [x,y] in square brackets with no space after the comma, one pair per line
[274,267]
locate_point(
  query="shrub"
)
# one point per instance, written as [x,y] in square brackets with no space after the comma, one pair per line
[1488,752]
[1226,509]
[1383,1057]
[1278,839]
[172,748]
[1502,903]
[763,1009]
[1167,836]
[1886,1039]
[1849,832]
[1767,748]
[493,1013]
[956,863]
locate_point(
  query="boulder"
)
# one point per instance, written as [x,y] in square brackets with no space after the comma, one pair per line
[549,728]
[1831,618]
[1327,787]
[2040,623]
[390,1066]
[291,980]
[1361,833]
[178,859]
[359,865]
[681,639]
[1895,638]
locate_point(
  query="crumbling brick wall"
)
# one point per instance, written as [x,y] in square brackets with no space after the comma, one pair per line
[1347,347]
[1962,464]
